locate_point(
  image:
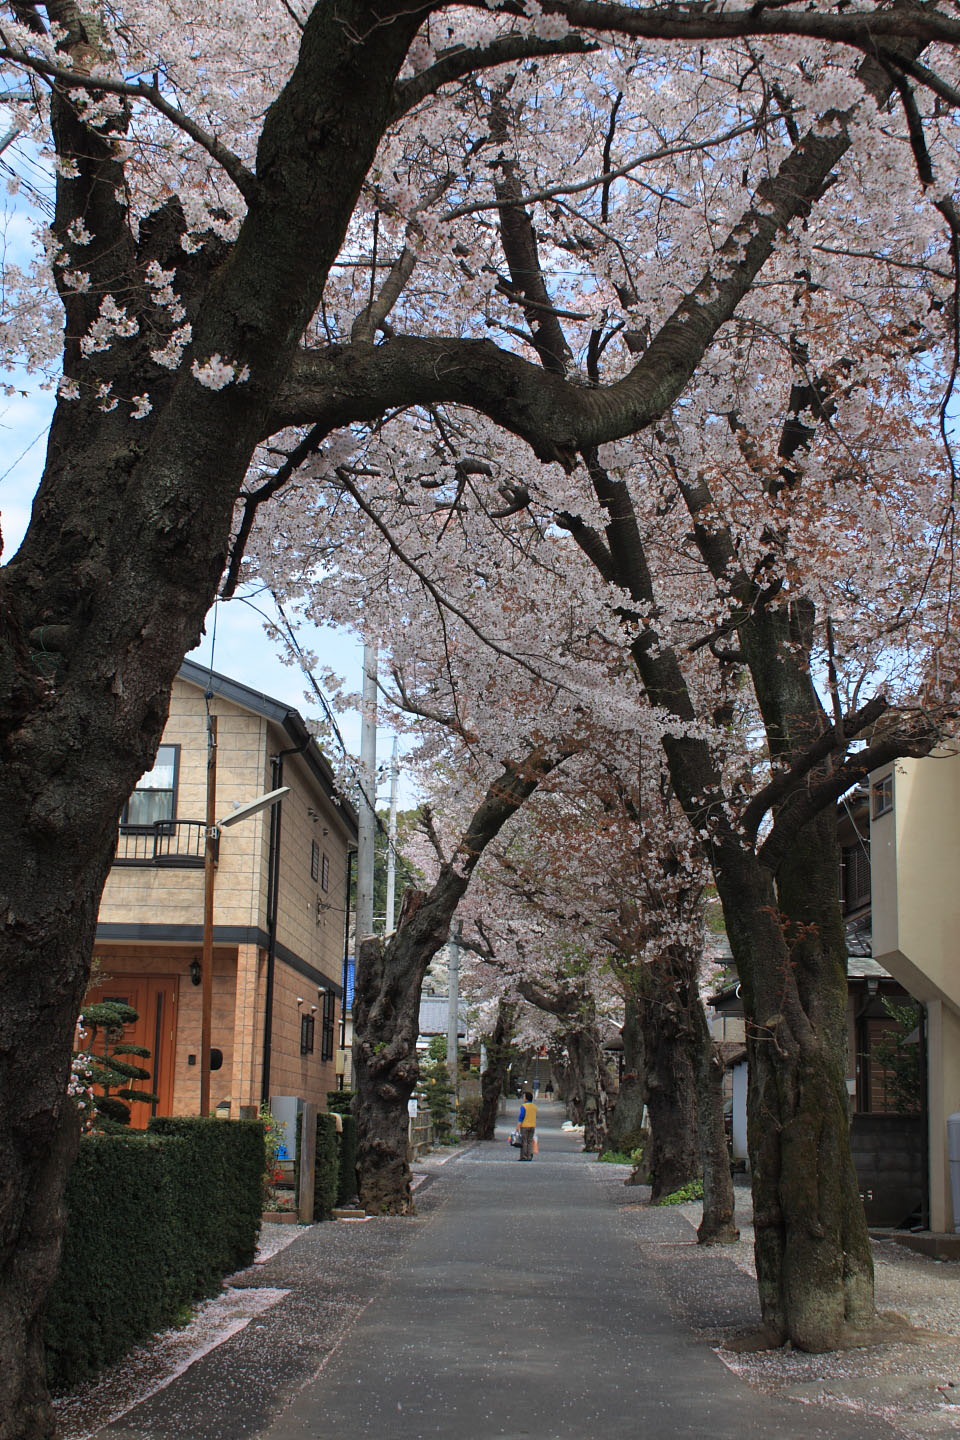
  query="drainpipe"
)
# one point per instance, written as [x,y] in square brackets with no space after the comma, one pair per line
[346,953]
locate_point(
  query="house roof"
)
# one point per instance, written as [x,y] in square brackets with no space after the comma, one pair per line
[280,714]
[859,967]
[433,1016]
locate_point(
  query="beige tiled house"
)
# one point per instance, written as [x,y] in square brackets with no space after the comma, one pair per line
[280,902]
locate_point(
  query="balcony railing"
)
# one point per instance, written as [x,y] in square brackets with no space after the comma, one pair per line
[165,842]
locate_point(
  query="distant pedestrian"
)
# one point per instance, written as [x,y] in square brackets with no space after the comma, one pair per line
[527,1125]
[536,1089]
[548,1092]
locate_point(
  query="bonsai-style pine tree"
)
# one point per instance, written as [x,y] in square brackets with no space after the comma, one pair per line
[436,1089]
[106,1067]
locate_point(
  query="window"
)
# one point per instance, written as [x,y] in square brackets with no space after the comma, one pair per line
[314,860]
[307,1028]
[855,876]
[882,794]
[329,1013]
[155,797]
[325,873]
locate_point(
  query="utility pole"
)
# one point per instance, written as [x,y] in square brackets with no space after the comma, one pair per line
[392,841]
[453,1015]
[366,810]
[211,846]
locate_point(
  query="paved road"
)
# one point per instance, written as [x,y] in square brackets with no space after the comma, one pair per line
[518,1311]
[524,1301]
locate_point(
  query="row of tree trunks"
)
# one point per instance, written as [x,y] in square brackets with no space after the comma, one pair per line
[387,993]
[500,1051]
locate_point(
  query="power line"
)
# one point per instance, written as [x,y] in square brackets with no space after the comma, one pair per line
[324,703]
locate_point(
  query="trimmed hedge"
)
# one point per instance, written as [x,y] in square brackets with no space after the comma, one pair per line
[154,1222]
[348,1161]
[327,1168]
[340,1102]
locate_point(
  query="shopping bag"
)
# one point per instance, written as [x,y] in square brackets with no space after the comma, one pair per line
[536,1146]
[515,1138]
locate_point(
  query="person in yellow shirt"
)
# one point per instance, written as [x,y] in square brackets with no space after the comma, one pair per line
[527,1125]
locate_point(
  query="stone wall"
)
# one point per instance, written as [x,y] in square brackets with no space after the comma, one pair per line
[888,1154]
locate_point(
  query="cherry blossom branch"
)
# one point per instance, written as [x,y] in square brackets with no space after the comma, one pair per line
[443,602]
[861,29]
[244,179]
[788,782]
[252,502]
[807,803]
[605,177]
[461,61]
[556,417]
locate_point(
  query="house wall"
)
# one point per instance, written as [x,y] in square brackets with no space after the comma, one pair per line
[116,961]
[166,895]
[915,862]
[290,1072]
[310,918]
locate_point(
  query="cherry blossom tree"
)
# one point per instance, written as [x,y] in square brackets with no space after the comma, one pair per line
[268,226]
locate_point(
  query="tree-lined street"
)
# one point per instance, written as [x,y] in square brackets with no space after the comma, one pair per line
[509,1310]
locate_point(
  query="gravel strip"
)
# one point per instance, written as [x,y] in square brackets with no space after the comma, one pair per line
[913,1385]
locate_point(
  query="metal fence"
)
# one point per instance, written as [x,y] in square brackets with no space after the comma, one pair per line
[165,842]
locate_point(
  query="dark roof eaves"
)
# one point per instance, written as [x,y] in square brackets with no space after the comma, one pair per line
[285,715]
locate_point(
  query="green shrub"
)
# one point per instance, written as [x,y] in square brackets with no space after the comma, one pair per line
[621,1157]
[436,1092]
[340,1102]
[327,1168]
[692,1191]
[347,1188]
[468,1115]
[154,1222]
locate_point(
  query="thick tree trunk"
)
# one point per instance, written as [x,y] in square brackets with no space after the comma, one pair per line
[625,1121]
[594,1090]
[39,1129]
[386,1011]
[566,1082]
[717,1225]
[672,1157]
[814,1266]
[499,1055]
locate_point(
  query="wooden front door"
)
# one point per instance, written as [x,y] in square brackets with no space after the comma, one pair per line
[154,997]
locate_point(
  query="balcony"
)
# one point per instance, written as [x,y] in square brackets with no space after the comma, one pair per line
[171,843]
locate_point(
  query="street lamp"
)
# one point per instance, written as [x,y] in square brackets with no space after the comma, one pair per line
[212,837]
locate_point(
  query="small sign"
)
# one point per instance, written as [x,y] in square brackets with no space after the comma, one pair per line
[412,1107]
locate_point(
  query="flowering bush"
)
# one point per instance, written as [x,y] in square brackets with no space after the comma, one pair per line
[274,1139]
[80,1089]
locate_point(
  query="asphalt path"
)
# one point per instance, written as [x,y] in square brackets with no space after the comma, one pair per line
[520,1311]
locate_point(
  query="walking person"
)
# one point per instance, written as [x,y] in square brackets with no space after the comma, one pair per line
[527,1125]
